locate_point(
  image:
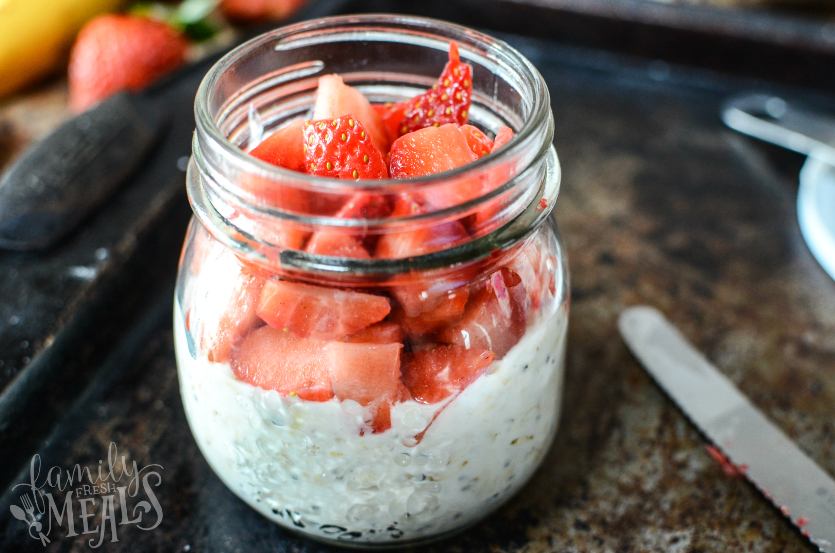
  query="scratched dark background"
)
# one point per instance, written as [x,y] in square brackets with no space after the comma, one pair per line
[660,204]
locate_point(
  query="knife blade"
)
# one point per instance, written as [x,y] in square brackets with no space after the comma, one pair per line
[799,488]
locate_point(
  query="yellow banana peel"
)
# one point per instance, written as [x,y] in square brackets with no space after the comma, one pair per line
[35,36]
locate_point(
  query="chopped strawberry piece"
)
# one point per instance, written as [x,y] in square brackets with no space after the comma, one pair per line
[479,143]
[342,244]
[368,373]
[380,333]
[336,99]
[392,115]
[431,151]
[485,219]
[495,317]
[448,101]
[336,244]
[502,137]
[276,360]
[284,148]
[433,375]
[226,311]
[449,307]
[318,311]
[341,148]
[363,205]
[364,372]
[529,264]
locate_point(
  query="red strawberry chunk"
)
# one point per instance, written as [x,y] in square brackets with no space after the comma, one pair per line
[276,360]
[364,372]
[433,375]
[448,101]
[319,311]
[485,219]
[391,115]
[226,311]
[479,143]
[341,148]
[431,151]
[342,244]
[336,244]
[495,317]
[284,148]
[336,99]
[449,307]
[502,137]
[380,333]
[363,205]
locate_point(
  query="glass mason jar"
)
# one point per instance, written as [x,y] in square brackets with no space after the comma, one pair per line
[390,398]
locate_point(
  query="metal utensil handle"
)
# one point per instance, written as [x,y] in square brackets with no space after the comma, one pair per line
[772,119]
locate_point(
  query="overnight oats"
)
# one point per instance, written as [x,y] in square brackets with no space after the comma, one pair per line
[372,304]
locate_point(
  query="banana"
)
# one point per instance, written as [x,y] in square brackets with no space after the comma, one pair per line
[35,36]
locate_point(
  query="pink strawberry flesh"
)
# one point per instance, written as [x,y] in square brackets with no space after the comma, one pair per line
[494,318]
[336,99]
[448,101]
[364,372]
[479,143]
[276,360]
[431,151]
[319,311]
[284,148]
[434,375]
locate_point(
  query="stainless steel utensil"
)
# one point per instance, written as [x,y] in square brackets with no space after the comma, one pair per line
[800,489]
[772,119]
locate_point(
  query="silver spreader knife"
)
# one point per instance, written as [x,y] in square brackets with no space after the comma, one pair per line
[799,488]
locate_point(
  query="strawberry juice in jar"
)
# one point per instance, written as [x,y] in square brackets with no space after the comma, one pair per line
[372,303]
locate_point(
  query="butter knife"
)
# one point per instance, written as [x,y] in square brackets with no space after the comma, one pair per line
[799,488]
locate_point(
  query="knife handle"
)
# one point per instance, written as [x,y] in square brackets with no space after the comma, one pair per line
[64,177]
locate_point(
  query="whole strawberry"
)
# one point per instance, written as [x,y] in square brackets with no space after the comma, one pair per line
[257,10]
[121,52]
[341,148]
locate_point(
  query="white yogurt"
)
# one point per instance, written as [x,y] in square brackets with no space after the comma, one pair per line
[306,466]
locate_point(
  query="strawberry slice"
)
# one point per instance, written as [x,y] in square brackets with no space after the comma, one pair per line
[364,372]
[391,115]
[363,205]
[448,101]
[479,143]
[485,219]
[380,333]
[341,244]
[226,311]
[434,150]
[318,311]
[503,136]
[341,148]
[336,99]
[284,148]
[276,360]
[336,244]
[495,317]
[450,307]
[433,375]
